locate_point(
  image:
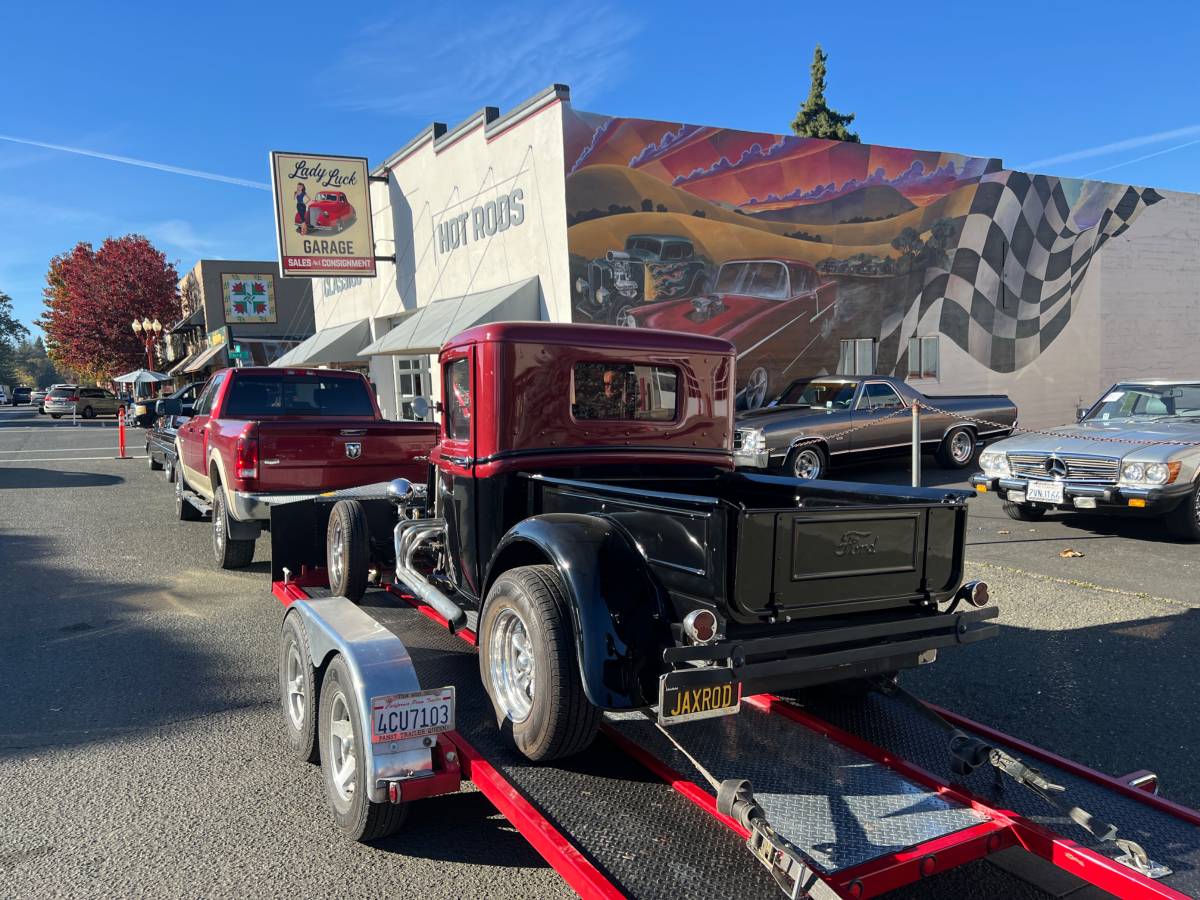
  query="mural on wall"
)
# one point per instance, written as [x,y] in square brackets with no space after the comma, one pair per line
[788,246]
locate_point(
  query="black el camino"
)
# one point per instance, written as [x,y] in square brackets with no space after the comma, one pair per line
[160,436]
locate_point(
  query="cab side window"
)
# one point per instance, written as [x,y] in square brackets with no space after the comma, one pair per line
[456,385]
[877,395]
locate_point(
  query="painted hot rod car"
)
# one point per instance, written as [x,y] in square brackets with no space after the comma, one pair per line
[651,268]
[770,309]
[331,211]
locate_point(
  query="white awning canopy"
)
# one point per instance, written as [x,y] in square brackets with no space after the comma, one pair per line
[426,329]
[336,344]
[206,358]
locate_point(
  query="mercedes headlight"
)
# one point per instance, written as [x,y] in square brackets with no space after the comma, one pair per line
[994,462]
[1150,473]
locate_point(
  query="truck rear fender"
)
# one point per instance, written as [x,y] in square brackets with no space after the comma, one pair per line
[237,531]
[618,614]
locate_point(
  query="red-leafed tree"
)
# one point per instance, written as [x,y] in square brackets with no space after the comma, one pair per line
[93,296]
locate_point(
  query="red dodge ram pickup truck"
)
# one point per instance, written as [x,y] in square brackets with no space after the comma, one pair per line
[262,435]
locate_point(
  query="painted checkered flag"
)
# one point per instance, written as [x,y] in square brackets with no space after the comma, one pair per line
[1007,287]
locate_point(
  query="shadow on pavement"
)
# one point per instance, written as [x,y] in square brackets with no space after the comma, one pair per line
[88,663]
[1116,697]
[23,477]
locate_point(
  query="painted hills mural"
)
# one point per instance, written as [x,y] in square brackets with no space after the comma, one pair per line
[788,245]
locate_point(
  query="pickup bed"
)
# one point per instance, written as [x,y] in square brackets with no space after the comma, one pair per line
[261,435]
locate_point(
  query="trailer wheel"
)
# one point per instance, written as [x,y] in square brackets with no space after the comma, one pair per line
[297,690]
[527,662]
[184,511]
[348,549]
[343,762]
[1023,512]
[230,553]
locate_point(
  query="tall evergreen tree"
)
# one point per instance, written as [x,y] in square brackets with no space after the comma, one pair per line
[815,118]
[11,331]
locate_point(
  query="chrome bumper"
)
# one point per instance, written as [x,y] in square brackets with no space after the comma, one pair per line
[1115,495]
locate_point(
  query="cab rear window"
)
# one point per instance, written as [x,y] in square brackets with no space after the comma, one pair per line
[624,392]
[261,396]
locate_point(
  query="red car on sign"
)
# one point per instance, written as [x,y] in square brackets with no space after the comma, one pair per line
[770,309]
[331,211]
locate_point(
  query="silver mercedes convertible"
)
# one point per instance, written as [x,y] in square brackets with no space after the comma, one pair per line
[1137,450]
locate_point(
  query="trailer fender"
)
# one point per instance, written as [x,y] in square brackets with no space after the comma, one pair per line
[618,616]
[379,664]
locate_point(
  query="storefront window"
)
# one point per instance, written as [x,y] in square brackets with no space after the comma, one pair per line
[412,381]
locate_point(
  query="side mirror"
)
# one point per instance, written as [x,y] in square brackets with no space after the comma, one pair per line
[188,407]
[421,407]
[169,407]
[1080,412]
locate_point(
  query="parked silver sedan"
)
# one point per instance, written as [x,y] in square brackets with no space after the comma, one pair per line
[1136,450]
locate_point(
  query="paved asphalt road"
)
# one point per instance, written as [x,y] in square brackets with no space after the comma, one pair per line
[140,742]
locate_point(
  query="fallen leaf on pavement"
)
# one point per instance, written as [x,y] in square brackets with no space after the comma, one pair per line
[1003,531]
[1069,553]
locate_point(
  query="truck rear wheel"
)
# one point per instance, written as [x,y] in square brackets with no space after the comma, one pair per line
[344,763]
[348,549]
[1023,512]
[229,552]
[297,690]
[527,662]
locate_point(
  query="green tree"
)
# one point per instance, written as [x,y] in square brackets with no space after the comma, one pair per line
[815,118]
[11,331]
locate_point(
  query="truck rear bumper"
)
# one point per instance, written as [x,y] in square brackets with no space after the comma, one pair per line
[245,506]
[838,654]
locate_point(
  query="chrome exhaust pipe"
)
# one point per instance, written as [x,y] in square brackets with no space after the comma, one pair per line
[408,538]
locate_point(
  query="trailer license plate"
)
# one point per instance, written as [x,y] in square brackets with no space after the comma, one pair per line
[397,717]
[1045,491]
[689,694]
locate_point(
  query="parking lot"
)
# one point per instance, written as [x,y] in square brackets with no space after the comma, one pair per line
[140,742]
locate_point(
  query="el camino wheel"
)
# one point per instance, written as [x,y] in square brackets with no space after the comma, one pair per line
[297,691]
[957,449]
[347,550]
[155,465]
[1184,520]
[169,469]
[184,511]
[806,462]
[527,662]
[756,388]
[344,763]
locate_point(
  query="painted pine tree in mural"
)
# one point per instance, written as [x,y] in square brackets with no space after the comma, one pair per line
[815,118]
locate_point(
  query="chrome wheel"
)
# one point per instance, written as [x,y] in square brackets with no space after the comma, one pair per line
[756,388]
[962,447]
[343,764]
[807,463]
[336,548]
[218,526]
[297,701]
[512,667]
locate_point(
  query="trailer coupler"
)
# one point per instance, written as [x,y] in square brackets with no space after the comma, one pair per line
[795,877]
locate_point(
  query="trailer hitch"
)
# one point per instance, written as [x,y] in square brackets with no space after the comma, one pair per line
[968,753]
[795,876]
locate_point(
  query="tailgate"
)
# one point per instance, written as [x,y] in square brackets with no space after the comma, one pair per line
[304,456]
[829,561]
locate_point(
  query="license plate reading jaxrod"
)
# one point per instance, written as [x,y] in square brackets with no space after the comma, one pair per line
[688,694]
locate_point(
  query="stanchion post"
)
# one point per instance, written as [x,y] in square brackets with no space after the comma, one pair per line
[916,443]
[121,454]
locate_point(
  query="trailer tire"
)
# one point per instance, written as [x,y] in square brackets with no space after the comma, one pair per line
[348,549]
[1023,512]
[341,740]
[184,511]
[525,639]
[230,553]
[297,690]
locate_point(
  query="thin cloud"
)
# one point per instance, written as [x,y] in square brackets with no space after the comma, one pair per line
[143,163]
[436,68]
[1115,147]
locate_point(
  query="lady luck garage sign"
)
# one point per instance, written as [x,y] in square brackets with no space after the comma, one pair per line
[323,214]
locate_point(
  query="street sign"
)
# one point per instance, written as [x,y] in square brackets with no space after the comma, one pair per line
[237,351]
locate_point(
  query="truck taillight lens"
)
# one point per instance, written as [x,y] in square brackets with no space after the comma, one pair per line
[246,464]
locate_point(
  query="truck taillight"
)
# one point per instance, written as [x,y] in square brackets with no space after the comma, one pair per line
[246,458]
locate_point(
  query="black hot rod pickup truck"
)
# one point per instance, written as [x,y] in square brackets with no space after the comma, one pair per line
[583,515]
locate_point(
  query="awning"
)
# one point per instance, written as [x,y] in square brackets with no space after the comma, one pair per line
[425,330]
[180,367]
[339,343]
[206,358]
[195,320]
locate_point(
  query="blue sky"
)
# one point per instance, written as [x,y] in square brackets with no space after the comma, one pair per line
[1078,89]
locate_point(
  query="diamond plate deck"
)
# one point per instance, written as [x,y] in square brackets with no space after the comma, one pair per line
[840,808]
[893,726]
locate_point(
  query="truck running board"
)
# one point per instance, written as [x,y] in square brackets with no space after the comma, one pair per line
[860,795]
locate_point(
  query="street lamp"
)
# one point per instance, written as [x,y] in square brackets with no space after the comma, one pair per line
[148,331]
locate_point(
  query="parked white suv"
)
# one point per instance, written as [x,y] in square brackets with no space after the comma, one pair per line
[85,402]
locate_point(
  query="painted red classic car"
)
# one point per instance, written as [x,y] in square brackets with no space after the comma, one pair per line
[770,309]
[331,211]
